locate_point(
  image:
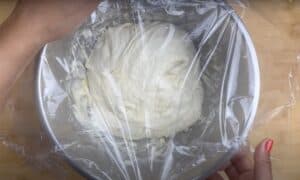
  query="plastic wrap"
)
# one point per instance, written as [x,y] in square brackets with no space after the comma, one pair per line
[226,67]
[220,73]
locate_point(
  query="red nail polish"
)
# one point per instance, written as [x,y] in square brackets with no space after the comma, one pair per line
[269,145]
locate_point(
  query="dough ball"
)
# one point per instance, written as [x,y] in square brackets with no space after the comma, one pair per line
[144,81]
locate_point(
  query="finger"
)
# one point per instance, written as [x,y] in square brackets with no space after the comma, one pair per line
[215,176]
[231,172]
[262,166]
[242,161]
[87,5]
[223,167]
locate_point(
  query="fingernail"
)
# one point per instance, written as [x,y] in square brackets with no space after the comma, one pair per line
[269,145]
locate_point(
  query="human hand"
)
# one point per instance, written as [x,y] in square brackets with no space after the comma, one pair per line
[241,166]
[32,24]
[49,20]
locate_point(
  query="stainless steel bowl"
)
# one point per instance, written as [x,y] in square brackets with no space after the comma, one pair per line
[231,79]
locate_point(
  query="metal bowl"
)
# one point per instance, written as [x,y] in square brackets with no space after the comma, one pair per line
[230,76]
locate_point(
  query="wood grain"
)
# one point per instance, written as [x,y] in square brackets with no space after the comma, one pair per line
[275,29]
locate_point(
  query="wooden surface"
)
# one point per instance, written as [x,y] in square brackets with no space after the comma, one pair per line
[275,29]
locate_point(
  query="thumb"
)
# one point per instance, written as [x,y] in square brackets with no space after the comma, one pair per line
[262,162]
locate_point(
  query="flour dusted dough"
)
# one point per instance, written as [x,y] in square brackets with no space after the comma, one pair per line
[142,82]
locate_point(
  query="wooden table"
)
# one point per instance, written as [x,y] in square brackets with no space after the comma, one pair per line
[275,29]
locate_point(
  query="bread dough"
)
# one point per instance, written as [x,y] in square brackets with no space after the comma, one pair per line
[141,82]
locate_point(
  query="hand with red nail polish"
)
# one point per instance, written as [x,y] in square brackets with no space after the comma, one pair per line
[241,166]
